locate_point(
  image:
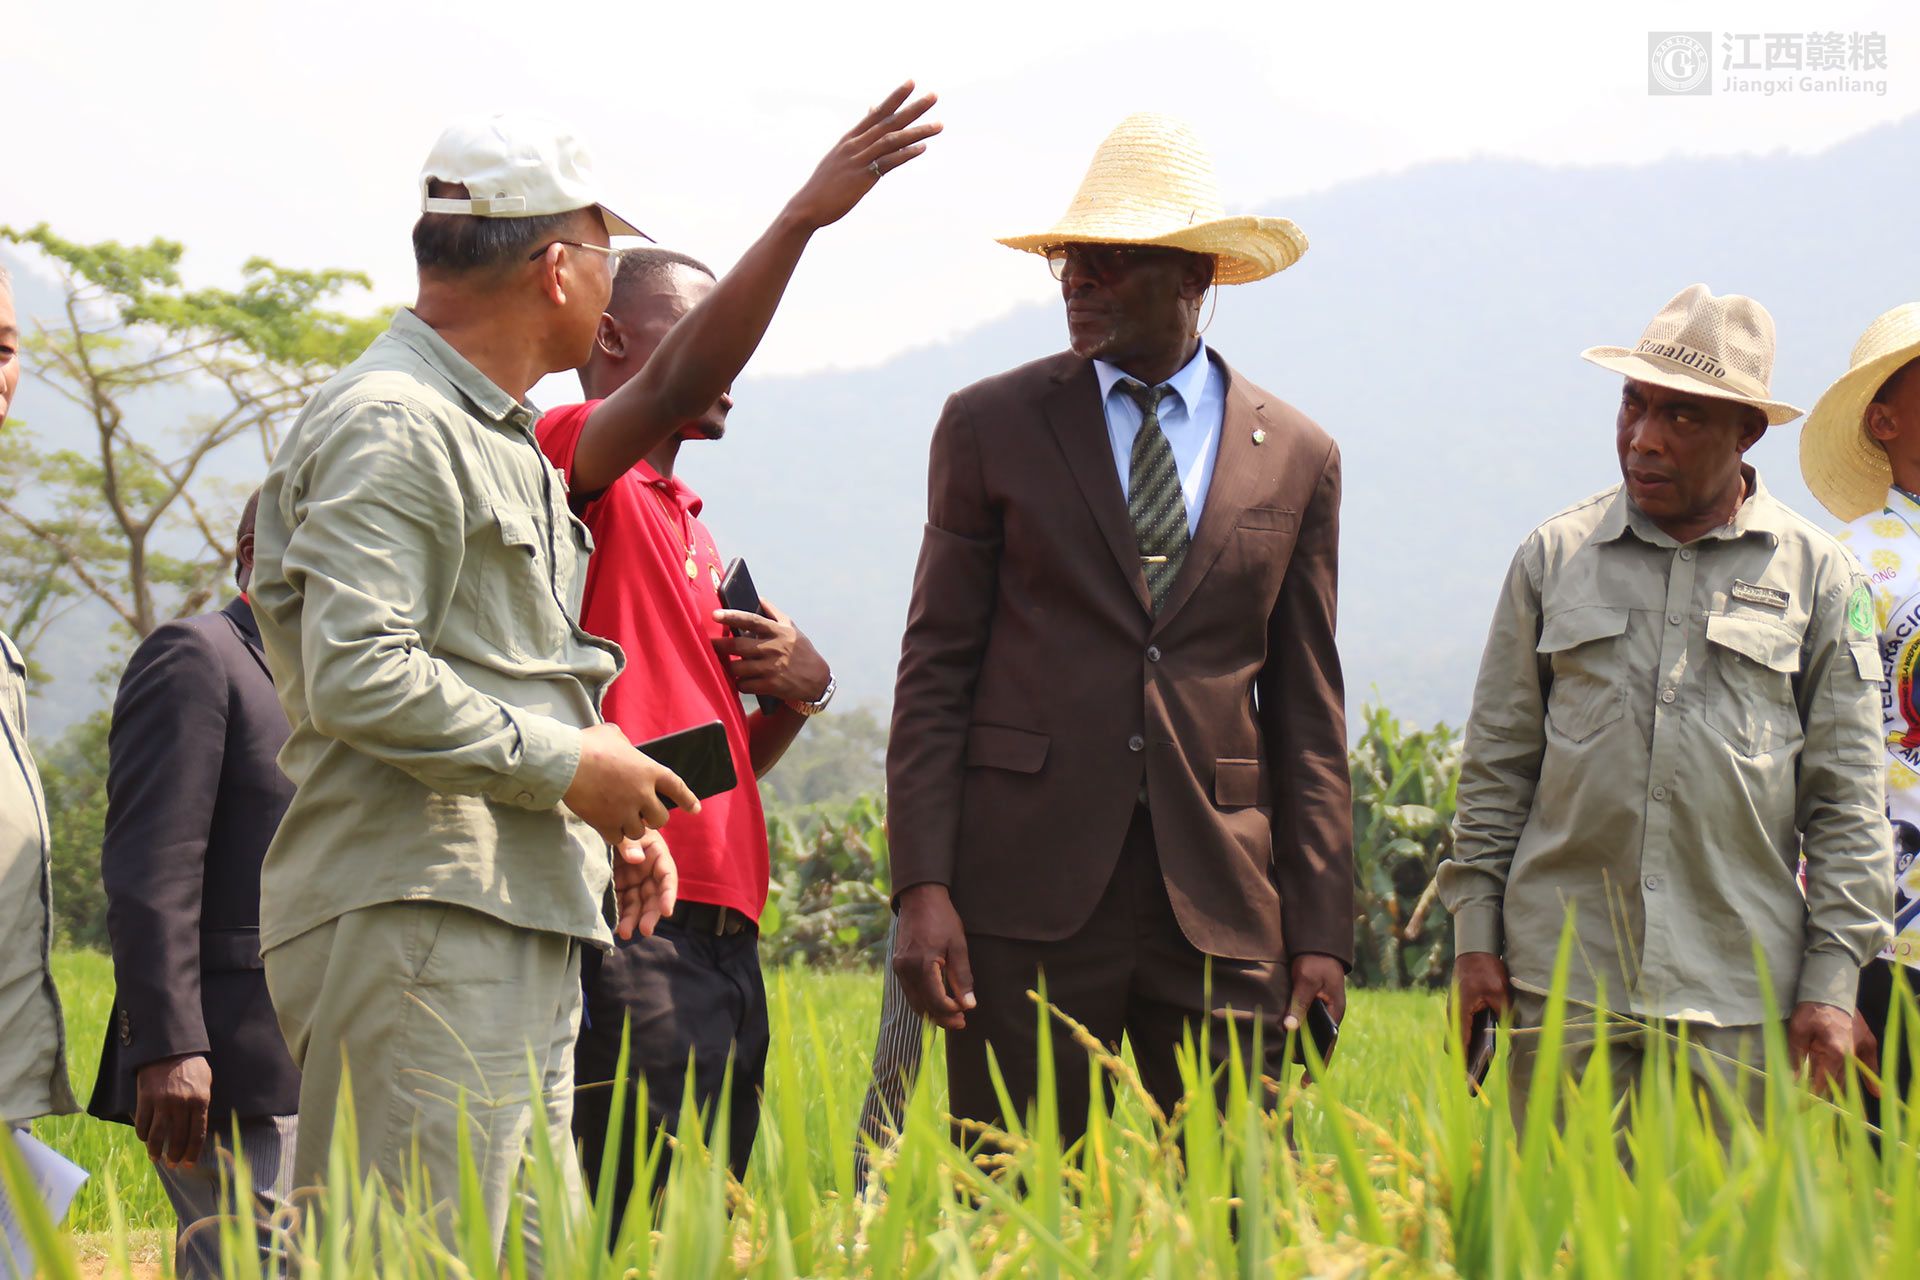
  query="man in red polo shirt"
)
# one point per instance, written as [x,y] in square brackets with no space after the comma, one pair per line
[693,989]
[653,586]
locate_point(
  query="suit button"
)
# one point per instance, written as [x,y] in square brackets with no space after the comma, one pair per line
[126,1028]
[1136,743]
[1153,653]
[526,797]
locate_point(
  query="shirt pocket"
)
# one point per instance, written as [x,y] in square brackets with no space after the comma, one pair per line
[511,595]
[1588,692]
[1749,685]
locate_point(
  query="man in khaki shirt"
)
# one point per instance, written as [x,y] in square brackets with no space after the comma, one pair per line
[33,1042]
[1678,701]
[417,582]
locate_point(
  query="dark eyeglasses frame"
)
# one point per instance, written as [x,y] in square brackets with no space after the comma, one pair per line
[1104,262]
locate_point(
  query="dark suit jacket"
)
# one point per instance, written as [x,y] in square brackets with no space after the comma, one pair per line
[1037,689]
[193,798]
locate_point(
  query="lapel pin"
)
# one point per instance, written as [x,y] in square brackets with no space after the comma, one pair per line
[1259,435]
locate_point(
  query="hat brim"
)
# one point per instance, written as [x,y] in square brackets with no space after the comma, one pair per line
[1844,467]
[619,226]
[1244,249]
[1641,368]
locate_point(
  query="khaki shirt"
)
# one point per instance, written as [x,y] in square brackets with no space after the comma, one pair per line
[1659,733]
[417,582]
[33,1037]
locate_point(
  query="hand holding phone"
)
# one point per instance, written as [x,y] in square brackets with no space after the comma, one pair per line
[700,756]
[738,593]
[1323,1029]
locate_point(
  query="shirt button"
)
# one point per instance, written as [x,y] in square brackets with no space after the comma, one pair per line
[1686,555]
[1136,743]
[1659,793]
[1674,619]
[1153,653]
[1667,695]
[1653,882]
[525,797]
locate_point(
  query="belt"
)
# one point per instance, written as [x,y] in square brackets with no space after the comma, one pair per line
[706,917]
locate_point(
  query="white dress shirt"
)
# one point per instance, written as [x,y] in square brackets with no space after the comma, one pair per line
[1190,415]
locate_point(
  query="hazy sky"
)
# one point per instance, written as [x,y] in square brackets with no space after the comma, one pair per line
[297,131]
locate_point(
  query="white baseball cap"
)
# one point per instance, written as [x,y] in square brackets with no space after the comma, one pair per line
[515,165]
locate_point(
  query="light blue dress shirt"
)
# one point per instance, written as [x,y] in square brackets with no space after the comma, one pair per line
[1190,416]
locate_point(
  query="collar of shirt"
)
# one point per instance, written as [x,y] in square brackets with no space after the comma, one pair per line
[488,401]
[1186,384]
[676,490]
[1903,504]
[1758,514]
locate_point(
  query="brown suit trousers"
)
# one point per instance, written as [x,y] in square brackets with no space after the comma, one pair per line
[1039,692]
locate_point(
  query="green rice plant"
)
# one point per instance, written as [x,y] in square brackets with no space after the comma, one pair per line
[1384,1166]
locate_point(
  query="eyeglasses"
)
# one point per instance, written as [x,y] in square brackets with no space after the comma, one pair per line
[1104,262]
[612,254]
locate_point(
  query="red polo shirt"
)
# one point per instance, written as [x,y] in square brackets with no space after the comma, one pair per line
[641,595]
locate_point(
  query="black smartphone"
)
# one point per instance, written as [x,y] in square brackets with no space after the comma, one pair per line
[700,756]
[1320,1025]
[1481,1043]
[738,593]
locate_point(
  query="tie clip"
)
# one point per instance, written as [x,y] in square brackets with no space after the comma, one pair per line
[1155,559]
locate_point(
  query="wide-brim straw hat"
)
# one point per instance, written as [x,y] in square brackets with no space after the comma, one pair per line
[1843,466]
[1152,183]
[1713,346]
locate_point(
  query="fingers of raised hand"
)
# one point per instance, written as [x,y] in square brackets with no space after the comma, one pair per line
[888,105]
[889,146]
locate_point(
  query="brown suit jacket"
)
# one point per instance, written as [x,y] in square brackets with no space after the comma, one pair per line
[1037,689]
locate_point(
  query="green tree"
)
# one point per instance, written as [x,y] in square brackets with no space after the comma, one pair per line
[168,377]
[840,757]
[1405,783]
[73,772]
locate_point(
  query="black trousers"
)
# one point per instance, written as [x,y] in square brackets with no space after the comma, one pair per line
[1877,983]
[687,994]
[1128,970]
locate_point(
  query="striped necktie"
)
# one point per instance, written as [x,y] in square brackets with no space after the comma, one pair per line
[1154,500]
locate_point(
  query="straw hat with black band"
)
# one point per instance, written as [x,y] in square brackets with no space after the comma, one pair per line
[1152,183]
[1713,346]
[1844,466]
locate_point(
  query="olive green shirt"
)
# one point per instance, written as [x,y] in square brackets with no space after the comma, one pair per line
[33,1037]
[417,580]
[1659,734]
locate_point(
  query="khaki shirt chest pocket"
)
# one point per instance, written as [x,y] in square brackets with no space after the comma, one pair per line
[509,588]
[1748,690]
[1584,645]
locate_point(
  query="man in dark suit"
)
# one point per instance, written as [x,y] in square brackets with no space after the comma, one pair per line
[1118,757]
[193,1052]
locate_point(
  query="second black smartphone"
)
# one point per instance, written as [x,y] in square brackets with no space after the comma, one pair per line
[700,756]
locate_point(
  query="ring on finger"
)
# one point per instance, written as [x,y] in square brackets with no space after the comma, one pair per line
[873,167]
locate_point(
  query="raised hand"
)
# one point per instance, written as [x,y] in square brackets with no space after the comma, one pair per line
[886,138]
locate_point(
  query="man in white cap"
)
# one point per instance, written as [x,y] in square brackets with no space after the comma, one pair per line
[1677,702]
[418,582]
[1860,455]
[33,1037]
[1118,761]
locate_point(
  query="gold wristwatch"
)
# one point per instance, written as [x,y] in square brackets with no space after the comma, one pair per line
[815,708]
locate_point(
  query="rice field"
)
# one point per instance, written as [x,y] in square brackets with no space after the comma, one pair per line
[1395,1171]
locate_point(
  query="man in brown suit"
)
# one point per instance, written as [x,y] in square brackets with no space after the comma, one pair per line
[1118,756]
